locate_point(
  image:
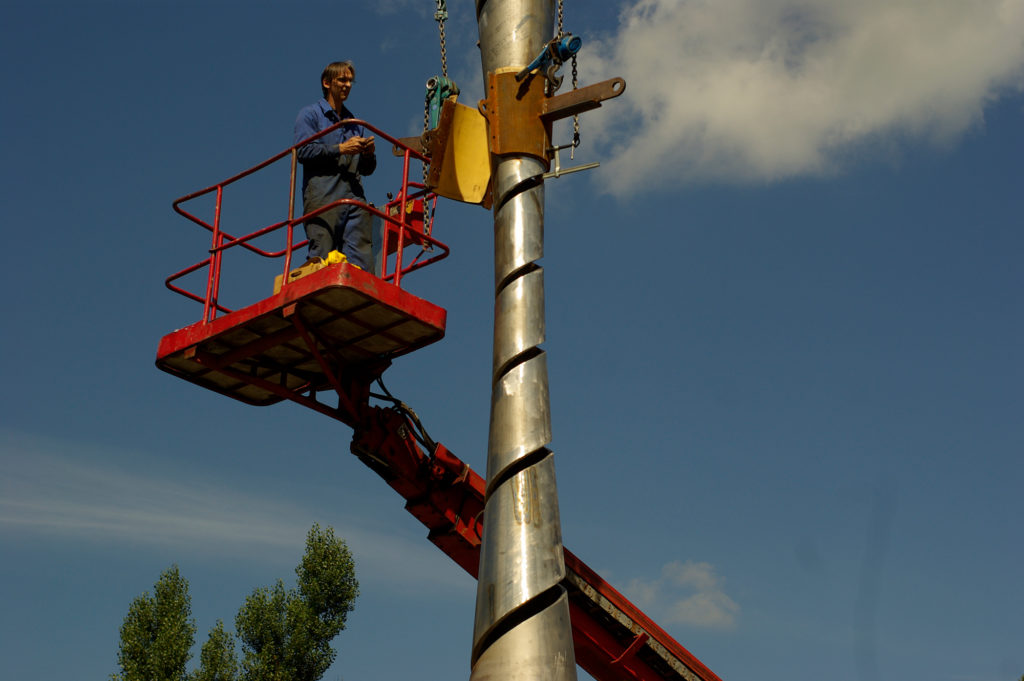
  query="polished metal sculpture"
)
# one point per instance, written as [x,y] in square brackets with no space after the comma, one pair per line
[522,629]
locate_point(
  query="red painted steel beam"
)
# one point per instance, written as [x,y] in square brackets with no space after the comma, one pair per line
[614,640]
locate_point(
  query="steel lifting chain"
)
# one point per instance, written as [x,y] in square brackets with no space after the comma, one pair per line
[575,81]
[440,16]
[426,127]
[426,167]
[428,214]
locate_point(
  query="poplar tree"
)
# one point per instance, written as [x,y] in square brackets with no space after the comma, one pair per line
[217,658]
[286,634]
[158,632]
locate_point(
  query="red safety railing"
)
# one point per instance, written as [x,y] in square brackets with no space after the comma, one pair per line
[400,227]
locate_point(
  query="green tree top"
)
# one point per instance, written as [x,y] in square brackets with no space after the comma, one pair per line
[217,658]
[158,632]
[286,635]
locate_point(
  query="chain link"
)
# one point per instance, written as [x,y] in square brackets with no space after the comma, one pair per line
[576,118]
[428,215]
[440,16]
[444,49]
[575,81]
[426,127]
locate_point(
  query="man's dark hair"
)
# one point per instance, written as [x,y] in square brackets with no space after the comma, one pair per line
[333,70]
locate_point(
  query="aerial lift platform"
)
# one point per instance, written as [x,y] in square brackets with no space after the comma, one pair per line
[304,339]
[329,331]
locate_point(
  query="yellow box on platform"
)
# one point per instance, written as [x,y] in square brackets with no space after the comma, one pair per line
[310,266]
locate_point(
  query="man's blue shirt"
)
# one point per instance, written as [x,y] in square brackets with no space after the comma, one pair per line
[327,174]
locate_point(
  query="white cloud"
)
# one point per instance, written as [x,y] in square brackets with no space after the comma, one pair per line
[689,593]
[760,90]
[64,490]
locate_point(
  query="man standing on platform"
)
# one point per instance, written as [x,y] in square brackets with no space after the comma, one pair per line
[332,169]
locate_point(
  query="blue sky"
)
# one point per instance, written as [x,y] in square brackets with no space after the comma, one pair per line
[784,331]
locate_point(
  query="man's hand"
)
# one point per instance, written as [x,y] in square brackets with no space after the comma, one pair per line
[357,145]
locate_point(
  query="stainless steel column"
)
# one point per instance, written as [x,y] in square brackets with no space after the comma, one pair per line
[522,630]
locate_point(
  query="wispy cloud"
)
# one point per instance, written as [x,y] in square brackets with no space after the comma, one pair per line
[59,489]
[760,90]
[689,593]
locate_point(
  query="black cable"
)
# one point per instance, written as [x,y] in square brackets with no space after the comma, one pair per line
[418,431]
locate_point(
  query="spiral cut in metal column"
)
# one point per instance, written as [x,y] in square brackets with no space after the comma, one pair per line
[522,630]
